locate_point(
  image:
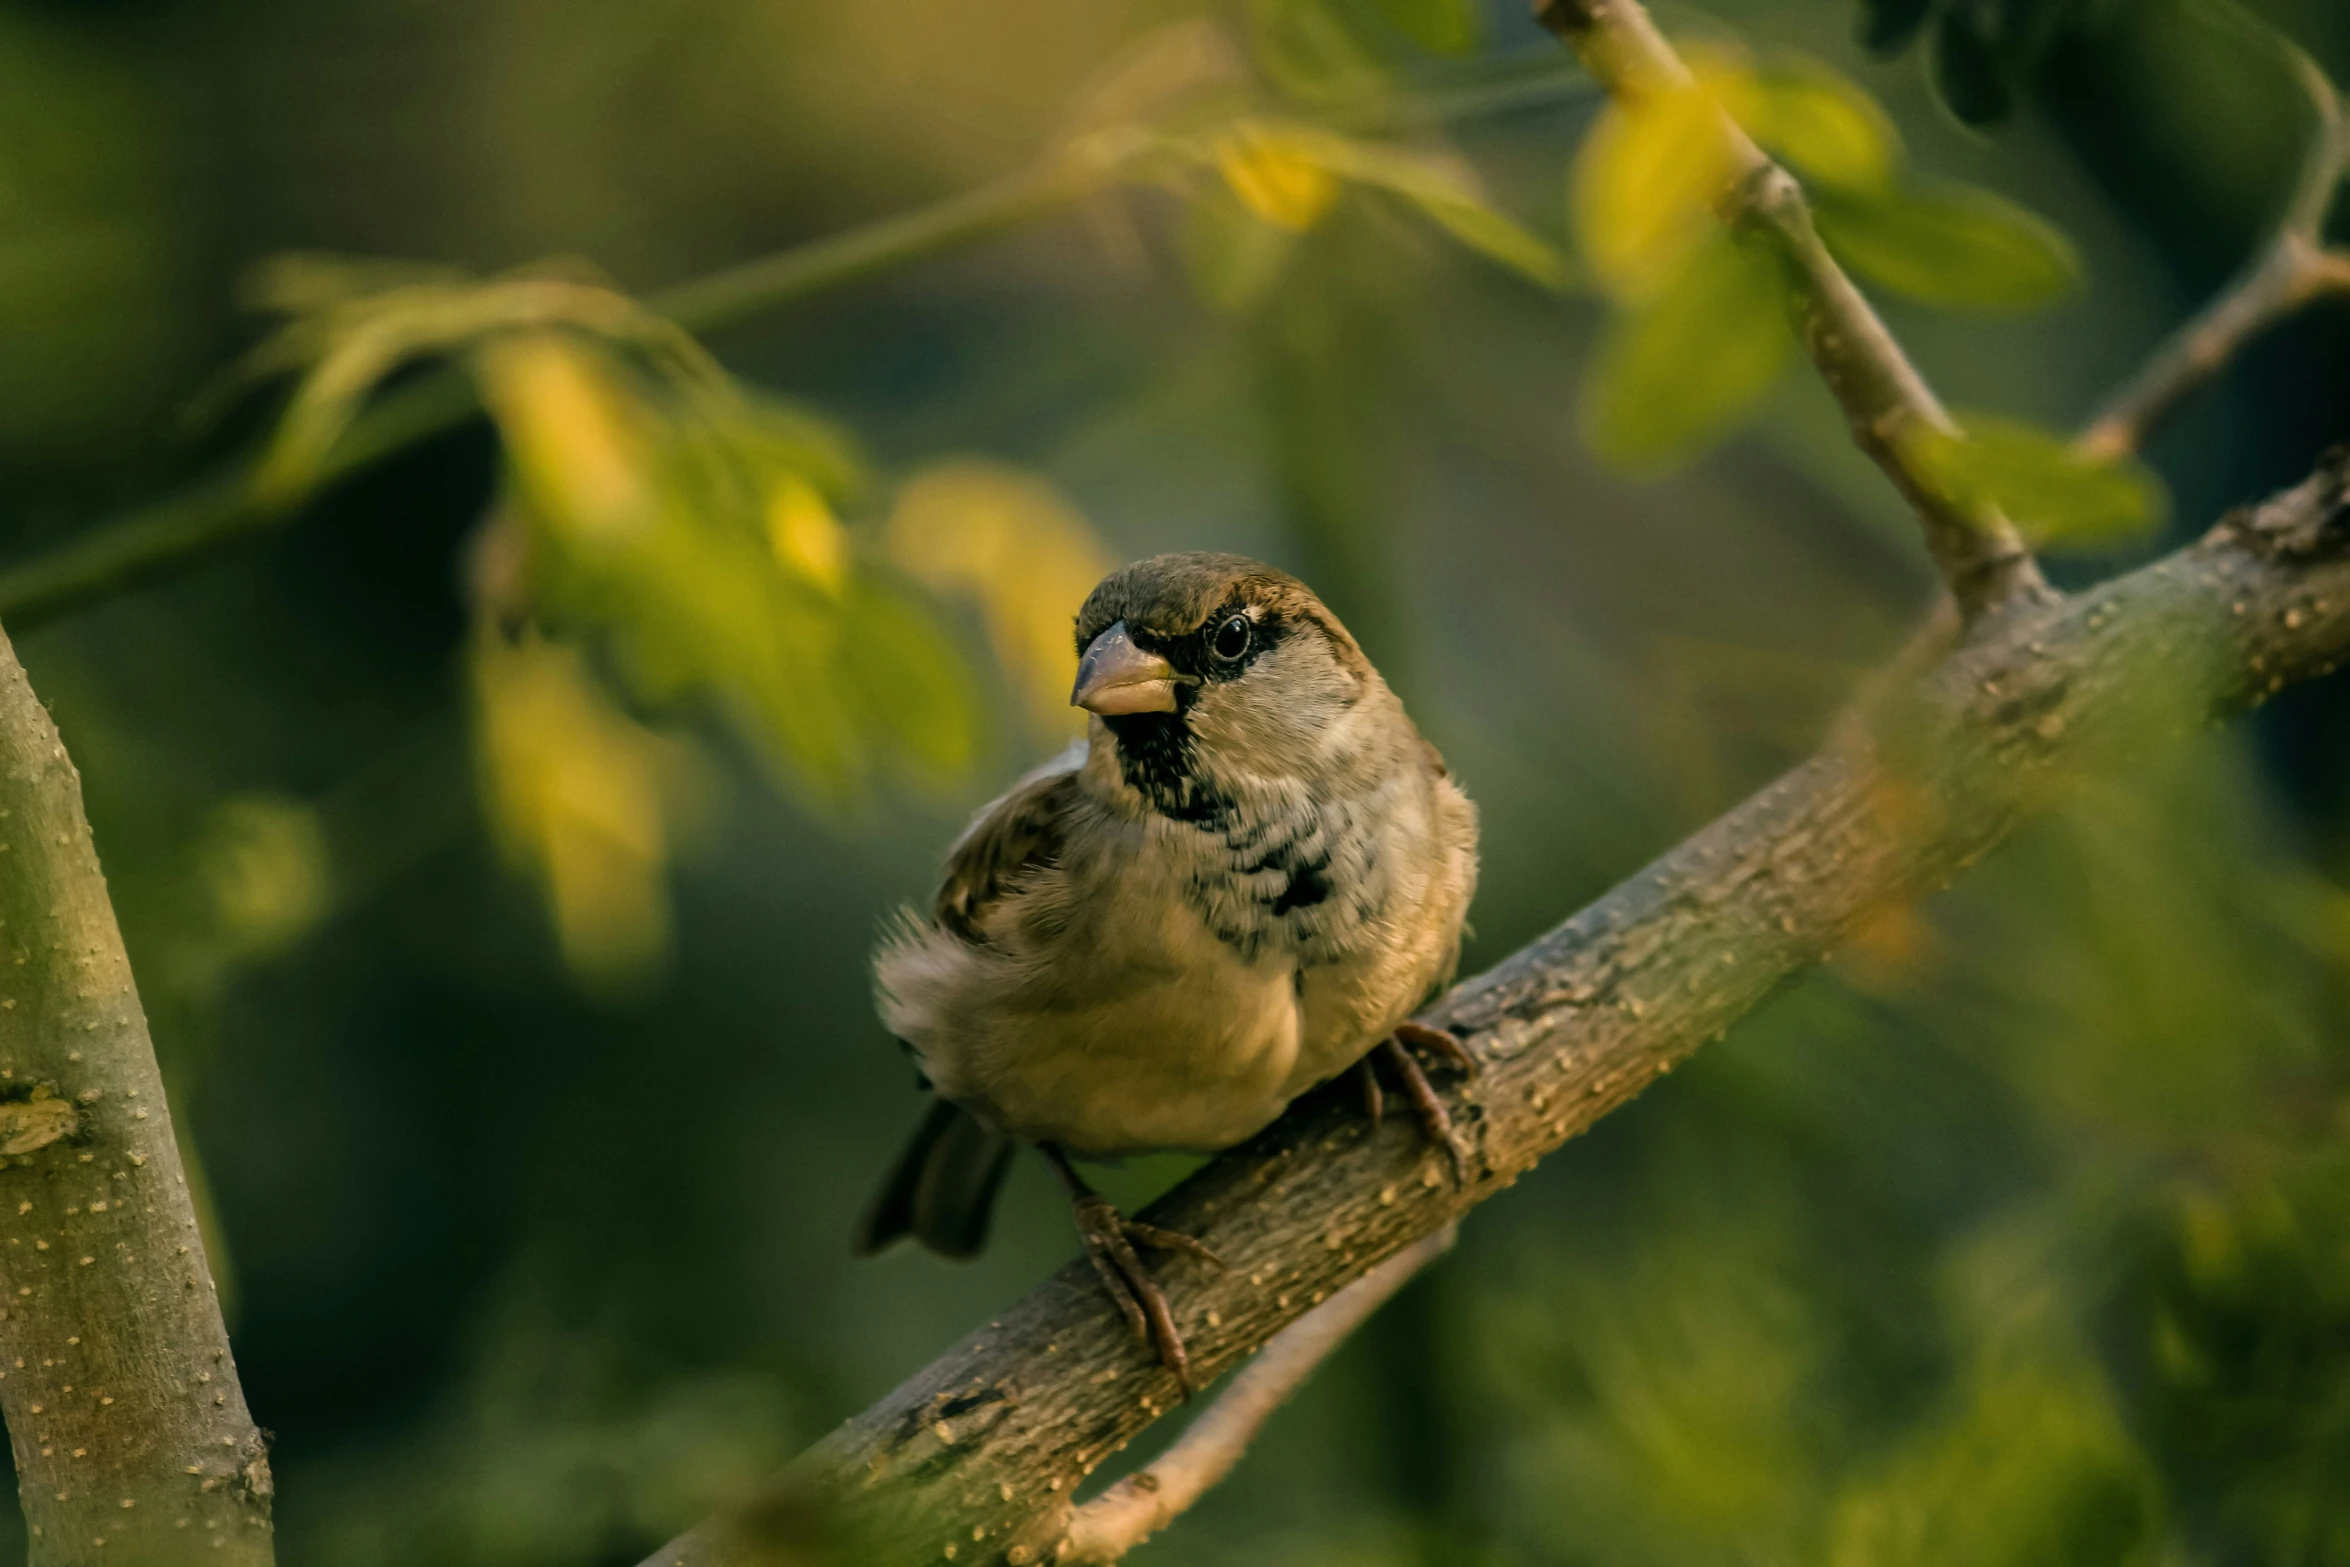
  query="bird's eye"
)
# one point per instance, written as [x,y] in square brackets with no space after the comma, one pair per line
[1231,638]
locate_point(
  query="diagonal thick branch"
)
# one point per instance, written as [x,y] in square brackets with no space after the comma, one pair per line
[129,1429]
[1982,559]
[983,1450]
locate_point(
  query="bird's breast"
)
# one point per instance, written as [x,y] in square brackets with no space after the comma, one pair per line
[1301,880]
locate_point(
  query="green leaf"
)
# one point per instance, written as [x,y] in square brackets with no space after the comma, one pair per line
[2053,493]
[1957,246]
[1675,374]
[1439,26]
[1822,122]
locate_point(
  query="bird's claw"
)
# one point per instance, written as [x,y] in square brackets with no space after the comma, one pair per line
[1427,1105]
[1439,1042]
[1110,1238]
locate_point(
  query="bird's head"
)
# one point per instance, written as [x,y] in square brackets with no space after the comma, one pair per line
[1206,669]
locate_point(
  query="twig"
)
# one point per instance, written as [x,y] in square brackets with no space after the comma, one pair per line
[983,1449]
[1982,559]
[155,542]
[1139,1506]
[132,1441]
[2293,269]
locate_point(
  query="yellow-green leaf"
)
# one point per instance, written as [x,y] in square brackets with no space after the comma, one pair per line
[807,538]
[1013,543]
[1499,238]
[1957,246]
[1643,185]
[572,437]
[350,344]
[1678,371]
[1447,193]
[1275,174]
[2053,492]
[1821,122]
[1440,26]
[576,793]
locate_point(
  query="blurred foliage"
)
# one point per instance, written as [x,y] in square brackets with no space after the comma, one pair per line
[2017,1235]
[656,511]
[1013,544]
[1287,176]
[685,528]
[581,796]
[1957,247]
[264,859]
[557,1448]
[1694,350]
[2053,493]
[1979,53]
[1691,360]
[88,282]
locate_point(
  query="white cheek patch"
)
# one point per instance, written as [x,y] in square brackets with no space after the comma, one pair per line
[1281,711]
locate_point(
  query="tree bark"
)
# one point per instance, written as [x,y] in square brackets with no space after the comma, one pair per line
[976,1458]
[131,1437]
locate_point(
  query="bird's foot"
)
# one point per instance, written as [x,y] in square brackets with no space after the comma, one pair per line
[1427,1105]
[1110,1242]
[1439,1042]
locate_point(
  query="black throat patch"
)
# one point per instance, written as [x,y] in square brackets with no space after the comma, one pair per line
[1157,760]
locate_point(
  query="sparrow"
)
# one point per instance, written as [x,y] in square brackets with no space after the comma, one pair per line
[1238,886]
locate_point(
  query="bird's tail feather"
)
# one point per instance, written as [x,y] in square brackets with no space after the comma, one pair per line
[942,1189]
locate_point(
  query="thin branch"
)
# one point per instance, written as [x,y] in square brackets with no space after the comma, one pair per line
[156,542]
[982,1451]
[2292,270]
[1982,559]
[130,1432]
[1139,1506]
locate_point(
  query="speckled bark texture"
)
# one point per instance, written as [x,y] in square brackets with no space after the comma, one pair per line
[975,1459]
[133,1445]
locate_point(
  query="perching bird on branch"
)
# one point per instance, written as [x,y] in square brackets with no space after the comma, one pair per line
[1237,887]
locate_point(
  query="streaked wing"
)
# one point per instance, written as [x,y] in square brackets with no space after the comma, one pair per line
[1018,832]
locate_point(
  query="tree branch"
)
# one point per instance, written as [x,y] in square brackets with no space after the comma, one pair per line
[129,1428]
[1139,1506]
[2294,268]
[976,1458]
[1982,559]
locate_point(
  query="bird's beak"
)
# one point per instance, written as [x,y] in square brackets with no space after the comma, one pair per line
[1115,676]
